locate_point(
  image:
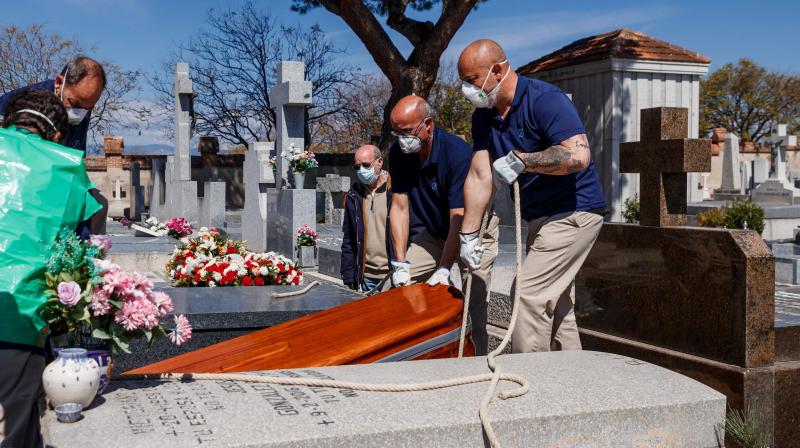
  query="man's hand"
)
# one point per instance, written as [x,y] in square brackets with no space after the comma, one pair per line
[440,277]
[471,249]
[401,273]
[508,168]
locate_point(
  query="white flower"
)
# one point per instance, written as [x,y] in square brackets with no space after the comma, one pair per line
[263,271]
[211,284]
[217,276]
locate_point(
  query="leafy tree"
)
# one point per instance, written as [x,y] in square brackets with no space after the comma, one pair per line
[233,62]
[453,111]
[32,55]
[748,100]
[413,74]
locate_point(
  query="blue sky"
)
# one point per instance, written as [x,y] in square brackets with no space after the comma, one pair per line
[138,34]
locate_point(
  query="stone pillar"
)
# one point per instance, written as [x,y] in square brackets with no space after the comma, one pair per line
[290,97]
[289,209]
[258,176]
[136,199]
[730,163]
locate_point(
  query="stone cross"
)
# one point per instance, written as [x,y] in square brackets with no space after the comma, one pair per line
[663,156]
[328,185]
[257,177]
[183,97]
[779,140]
[290,97]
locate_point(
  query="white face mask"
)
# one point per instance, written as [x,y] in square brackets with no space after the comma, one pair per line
[409,144]
[478,97]
[74,114]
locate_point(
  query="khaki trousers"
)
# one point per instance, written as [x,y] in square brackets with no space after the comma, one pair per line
[424,254]
[556,248]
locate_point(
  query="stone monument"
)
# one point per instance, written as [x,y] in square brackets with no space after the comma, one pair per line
[136,207]
[731,187]
[577,398]
[174,192]
[778,188]
[258,176]
[288,209]
[663,157]
[333,187]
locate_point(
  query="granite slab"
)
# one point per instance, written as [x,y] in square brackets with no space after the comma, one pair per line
[577,399]
[219,314]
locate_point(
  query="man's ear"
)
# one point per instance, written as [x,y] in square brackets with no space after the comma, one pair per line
[57,137]
[59,81]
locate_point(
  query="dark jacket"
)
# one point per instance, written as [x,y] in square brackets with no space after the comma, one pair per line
[76,135]
[353,246]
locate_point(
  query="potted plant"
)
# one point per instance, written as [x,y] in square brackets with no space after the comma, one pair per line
[96,306]
[306,246]
[300,162]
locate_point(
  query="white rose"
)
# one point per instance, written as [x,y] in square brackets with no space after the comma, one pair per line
[217,276]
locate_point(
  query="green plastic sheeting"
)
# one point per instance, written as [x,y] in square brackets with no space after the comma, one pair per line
[43,186]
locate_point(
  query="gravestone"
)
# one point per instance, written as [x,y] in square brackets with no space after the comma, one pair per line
[333,187]
[288,209]
[778,188]
[731,186]
[220,314]
[577,398]
[746,175]
[136,207]
[698,301]
[760,171]
[258,176]
[663,156]
[174,191]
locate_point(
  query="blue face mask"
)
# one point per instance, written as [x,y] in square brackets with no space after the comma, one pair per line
[366,176]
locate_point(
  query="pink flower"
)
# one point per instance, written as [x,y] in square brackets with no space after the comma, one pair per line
[118,281]
[100,305]
[101,242]
[69,293]
[182,331]
[137,314]
[105,266]
[163,303]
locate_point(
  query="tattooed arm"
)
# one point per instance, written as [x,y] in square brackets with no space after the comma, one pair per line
[570,156]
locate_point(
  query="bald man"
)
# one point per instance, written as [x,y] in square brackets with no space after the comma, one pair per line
[528,131]
[428,168]
[366,245]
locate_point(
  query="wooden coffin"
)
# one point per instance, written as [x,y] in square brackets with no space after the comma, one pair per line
[412,322]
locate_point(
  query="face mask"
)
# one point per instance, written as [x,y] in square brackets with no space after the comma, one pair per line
[74,114]
[366,176]
[478,97]
[409,144]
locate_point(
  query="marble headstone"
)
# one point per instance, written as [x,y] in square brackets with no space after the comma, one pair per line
[577,398]
[258,176]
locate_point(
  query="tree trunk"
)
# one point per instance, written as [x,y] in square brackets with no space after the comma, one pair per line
[415,80]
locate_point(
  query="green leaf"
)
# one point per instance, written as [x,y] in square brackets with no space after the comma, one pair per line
[100,333]
[149,336]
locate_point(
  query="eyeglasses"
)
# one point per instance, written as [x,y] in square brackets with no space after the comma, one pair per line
[413,131]
[357,166]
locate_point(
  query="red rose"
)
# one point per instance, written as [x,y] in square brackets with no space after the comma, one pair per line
[296,280]
[259,281]
[197,278]
[278,279]
[247,281]
[230,277]
[231,250]
[279,266]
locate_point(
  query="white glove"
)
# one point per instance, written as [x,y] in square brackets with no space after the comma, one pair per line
[440,277]
[401,273]
[508,168]
[471,249]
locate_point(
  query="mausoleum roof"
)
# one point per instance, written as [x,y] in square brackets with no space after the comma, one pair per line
[622,43]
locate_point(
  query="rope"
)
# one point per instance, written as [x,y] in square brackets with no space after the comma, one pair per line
[333,384]
[281,295]
[494,378]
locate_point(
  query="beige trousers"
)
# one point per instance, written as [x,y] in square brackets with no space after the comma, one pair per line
[556,248]
[424,254]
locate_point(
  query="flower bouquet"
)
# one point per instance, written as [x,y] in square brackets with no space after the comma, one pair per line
[211,259]
[306,236]
[154,225]
[272,162]
[178,228]
[300,161]
[90,297]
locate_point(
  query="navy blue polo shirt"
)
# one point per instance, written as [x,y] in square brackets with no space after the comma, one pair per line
[434,186]
[541,116]
[76,134]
